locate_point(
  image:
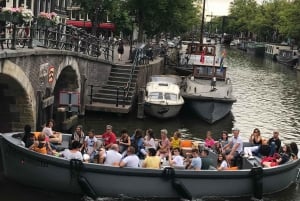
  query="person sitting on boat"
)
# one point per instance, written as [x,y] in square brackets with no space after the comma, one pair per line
[131,160]
[149,141]
[111,157]
[137,141]
[41,145]
[176,160]
[206,161]
[90,144]
[255,140]
[109,137]
[222,141]
[151,160]
[78,136]
[54,137]
[209,141]
[175,140]
[164,144]
[194,163]
[264,149]
[222,163]
[278,159]
[294,150]
[124,141]
[73,152]
[28,137]
[234,148]
[274,143]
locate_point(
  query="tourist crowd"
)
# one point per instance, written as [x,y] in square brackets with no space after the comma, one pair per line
[142,149]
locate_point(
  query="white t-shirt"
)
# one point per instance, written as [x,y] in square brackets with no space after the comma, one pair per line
[48,131]
[131,161]
[72,155]
[238,140]
[150,144]
[224,165]
[111,157]
[90,144]
[178,160]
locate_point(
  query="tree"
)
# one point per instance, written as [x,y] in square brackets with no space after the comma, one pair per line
[289,20]
[242,14]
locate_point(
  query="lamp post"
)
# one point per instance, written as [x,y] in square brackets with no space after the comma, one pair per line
[131,38]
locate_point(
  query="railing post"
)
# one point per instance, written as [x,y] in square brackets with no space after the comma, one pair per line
[91,95]
[30,45]
[14,40]
[117,103]
[124,96]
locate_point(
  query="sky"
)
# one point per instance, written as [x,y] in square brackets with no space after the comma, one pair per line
[219,7]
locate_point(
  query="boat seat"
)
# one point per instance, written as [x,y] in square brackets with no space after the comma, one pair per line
[186,146]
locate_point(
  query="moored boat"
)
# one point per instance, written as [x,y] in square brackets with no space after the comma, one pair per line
[256,49]
[56,174]
[163,99]
[208,92]
[272,50]
[288,57]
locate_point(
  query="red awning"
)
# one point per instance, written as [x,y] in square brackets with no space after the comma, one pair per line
[88,24]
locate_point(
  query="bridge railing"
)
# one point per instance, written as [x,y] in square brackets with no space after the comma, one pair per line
[56,36]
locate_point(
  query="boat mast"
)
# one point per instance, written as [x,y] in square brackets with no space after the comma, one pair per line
[202,22]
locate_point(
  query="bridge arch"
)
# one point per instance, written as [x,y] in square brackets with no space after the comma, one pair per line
[18,104]
[68,78]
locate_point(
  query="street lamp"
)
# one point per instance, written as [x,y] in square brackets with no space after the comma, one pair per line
[131,38]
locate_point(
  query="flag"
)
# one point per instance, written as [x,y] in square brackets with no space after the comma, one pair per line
[222,60]
[202,57]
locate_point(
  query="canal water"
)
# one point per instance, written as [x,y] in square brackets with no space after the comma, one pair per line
[268,98]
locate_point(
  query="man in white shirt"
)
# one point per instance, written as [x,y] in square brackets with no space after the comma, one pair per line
[112,156]
[236,145]
[131,160]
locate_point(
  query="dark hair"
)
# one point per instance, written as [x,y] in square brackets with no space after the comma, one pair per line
[27,128]
[226,133]
[138,133]
[124,130]
[206,151]
[48,122]
[152,151]
[150,132]
[294,148]
[75,145]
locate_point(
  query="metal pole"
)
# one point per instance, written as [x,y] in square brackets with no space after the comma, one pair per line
[30,45]
[124,98]
[131,42]
[13,45]
[91,95]
[117,103]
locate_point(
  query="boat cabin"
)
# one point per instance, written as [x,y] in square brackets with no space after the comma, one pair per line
[209,72]
[198,49]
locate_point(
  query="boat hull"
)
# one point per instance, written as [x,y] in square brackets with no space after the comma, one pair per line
[209,109]
[162,111]
[56,174]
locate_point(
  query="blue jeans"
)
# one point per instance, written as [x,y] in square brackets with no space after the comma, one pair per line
[272,148]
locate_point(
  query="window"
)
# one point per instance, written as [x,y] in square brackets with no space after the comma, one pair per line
[170,96]
[156,95]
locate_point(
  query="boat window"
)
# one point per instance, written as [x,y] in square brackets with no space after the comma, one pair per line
[156,95]
[170,96]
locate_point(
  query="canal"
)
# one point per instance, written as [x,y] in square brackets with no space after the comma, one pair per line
[268,98]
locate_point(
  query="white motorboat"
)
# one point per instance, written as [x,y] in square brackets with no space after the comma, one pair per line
[163,99]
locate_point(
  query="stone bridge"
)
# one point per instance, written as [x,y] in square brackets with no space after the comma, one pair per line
[33,80]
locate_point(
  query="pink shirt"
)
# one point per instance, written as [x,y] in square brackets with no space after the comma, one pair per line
[209,142]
